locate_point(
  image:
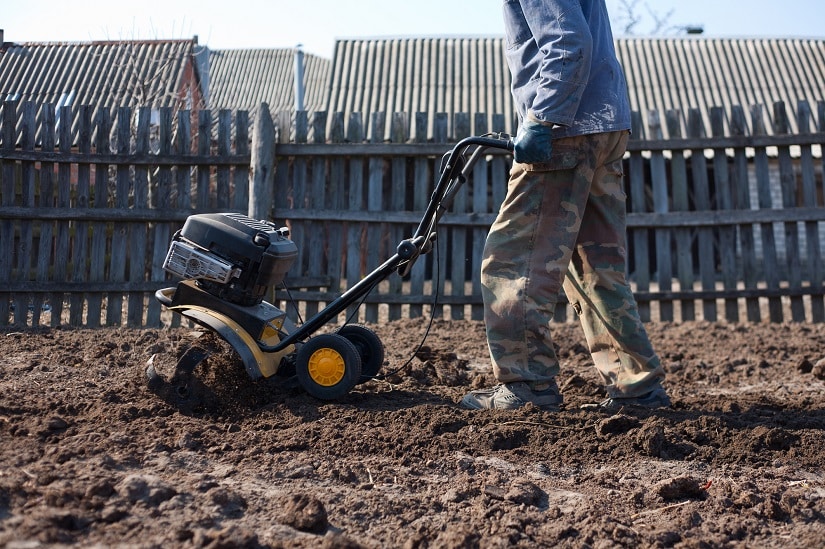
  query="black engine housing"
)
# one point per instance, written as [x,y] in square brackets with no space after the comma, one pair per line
[254,255]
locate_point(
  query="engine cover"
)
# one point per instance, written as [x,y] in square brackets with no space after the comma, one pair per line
[231,256]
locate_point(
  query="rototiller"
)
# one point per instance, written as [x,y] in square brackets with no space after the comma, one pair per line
[229,262]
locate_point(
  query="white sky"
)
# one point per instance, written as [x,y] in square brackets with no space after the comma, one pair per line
[316,23]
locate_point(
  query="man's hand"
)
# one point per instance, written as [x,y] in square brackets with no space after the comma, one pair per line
[533,143]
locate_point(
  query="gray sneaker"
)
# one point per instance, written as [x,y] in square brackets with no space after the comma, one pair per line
[655,398]
[509,396]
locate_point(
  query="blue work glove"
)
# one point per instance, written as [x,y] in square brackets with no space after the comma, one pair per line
[533,143]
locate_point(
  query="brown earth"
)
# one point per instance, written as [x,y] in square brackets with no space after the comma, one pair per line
[90,457]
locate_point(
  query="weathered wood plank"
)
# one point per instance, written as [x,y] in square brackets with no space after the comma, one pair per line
[299,191]
[160,233]
[681,236]
[97,263]
[317,234]
[742,202]
[7,193]
[438,259]
[338,201]
[724,203]
[47,198]
[28,189]
[376,247]
[354,231]
[120,231]
[240,173]
[80,246]
[459,259]
[422,188]
[813,248]
[701,197]
[137,231]
[480,206]
[400,133]
[770,262]
[223,194]
[787,181]
[262,174]
[204,197]
[638,204]
[662,235]
[60,270]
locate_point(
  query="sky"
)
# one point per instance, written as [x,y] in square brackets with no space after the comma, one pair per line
[315,24]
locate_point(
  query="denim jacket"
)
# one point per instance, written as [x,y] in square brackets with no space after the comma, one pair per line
[564,66]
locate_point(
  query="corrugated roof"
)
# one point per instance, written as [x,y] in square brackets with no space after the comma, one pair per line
[470,75]
[698,73]
[410,75]
[100,73]
[243,78]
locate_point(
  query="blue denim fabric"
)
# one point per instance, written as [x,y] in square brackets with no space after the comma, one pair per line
[564,66]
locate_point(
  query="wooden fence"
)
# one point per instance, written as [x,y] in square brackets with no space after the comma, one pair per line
[724,223]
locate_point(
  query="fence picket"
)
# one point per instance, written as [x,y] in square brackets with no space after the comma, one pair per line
[638,204]
[724,202]
[317,230]
[400,133]
[742,201]
[481,205]
[117,263]
[354,191]
[161,196]
[681,235]
[459,259]
[27,192]
[770,264]
[422,185]
[64,190]
[80,253]
[809,199]
[376,246]
[658,179]
[787,181]
[137,231]
[9,138]
[701,197]
[97,264]
[222,194]
[44,248]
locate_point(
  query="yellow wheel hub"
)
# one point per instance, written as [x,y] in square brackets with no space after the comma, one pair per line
[326,367]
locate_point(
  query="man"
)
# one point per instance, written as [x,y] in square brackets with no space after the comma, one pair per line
[562,224]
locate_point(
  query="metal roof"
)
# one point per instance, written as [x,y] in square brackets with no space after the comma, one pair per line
[470,75]
[241,79]
[152,73]
[410,75]
[699,73]
[405,75]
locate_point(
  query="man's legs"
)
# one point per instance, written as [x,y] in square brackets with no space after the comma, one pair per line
[597,287]
[528,250]
[525,259]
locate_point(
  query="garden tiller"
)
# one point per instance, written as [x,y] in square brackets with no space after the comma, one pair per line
[229,262]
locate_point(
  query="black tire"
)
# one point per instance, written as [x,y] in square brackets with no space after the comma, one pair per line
[369,347]
[328,366]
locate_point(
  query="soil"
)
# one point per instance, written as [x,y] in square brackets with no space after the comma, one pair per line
[89,456]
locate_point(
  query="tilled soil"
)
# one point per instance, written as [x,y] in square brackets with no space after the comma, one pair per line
[89,456]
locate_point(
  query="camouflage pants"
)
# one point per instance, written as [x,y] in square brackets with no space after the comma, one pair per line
[561,226]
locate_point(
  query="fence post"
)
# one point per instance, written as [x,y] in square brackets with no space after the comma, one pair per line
[262,175]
